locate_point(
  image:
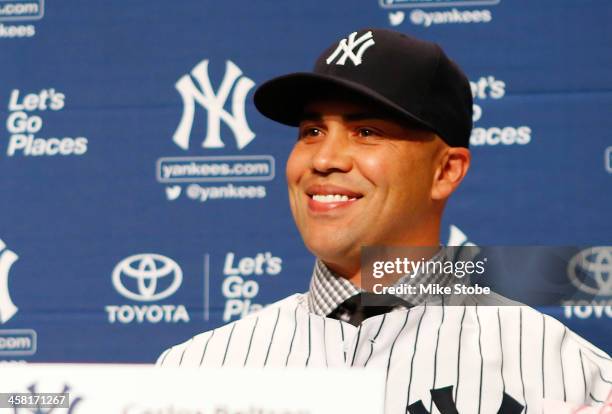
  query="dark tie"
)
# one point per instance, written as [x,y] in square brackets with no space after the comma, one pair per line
[364,305]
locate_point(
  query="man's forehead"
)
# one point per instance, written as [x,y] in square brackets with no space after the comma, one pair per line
[347,110]
[353,111]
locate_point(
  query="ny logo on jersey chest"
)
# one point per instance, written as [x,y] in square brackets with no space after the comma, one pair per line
[443,400]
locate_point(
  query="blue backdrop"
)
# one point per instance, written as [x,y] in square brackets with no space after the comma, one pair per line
[143,197]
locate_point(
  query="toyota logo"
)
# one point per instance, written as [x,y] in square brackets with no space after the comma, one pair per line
[591,270]
[146,270]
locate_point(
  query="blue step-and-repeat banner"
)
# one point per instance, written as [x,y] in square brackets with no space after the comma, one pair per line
[143,197]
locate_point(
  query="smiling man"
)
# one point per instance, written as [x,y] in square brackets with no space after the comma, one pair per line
[384,122]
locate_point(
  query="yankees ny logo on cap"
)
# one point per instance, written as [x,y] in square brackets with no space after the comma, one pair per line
[364,42]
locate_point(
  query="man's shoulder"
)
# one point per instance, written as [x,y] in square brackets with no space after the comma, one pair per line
[553,332]
[531,318]
[175,355]
[503,314]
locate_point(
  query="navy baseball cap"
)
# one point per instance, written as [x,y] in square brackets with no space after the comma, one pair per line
[410,79]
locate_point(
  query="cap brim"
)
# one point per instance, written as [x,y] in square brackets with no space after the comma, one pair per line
[283,99]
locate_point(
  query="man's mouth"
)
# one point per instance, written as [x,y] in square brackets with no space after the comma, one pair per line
[331,198]
[328,197]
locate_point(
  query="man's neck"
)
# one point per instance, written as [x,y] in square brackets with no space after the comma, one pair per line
[352,272]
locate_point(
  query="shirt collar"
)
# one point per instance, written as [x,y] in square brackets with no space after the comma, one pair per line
[328,290]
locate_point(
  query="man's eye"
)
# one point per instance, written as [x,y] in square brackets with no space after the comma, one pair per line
[310,132]
[366,132]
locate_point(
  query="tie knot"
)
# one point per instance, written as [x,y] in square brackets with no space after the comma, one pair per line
[365,305]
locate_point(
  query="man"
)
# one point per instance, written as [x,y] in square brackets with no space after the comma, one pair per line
[384,125]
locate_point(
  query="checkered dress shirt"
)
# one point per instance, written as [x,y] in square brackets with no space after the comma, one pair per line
[327,290]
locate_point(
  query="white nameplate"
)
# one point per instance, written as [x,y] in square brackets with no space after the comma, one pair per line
[143,389]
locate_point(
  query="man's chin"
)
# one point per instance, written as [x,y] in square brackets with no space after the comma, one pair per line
[343,255]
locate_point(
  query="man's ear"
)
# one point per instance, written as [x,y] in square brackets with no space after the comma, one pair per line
[453,164]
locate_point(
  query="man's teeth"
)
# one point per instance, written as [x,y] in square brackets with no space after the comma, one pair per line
[330,198]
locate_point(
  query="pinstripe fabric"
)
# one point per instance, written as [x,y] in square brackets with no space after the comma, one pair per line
[478,353]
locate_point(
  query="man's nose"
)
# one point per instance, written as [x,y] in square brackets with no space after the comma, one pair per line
[333,152]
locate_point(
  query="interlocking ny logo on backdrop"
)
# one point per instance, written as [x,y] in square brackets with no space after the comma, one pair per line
[7,307]
[591,270]
[142,274]
[214,104]
[347,47]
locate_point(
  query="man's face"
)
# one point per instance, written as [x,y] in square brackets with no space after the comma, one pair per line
[357,179]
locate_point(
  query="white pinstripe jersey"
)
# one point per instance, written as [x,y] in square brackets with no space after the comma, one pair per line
[482,352]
